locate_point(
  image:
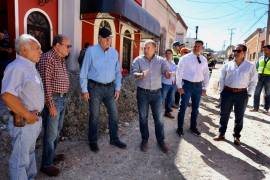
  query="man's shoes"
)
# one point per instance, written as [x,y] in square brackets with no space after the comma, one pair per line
[195,132]
[144,146]
[169,115]
[219,138]
[50,171]
[58,158]
[94,147]
[237,141]
[266,111]
[163,147]
[180,132]
[254,110]
[119,144]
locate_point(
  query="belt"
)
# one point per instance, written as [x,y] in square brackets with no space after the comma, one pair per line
[37,113]
[149,90]
[60,94]
[235,90]
[101,84]
[196,83]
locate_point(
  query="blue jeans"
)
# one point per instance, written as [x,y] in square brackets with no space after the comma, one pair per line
[230,100]
[102,94]
[22,162]
[52,128]
[154,100]
[264,82]
[168,96]
[193,91]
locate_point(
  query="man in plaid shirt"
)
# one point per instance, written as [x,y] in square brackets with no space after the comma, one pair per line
[53,71]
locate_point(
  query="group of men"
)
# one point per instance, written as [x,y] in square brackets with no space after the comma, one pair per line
[25,91]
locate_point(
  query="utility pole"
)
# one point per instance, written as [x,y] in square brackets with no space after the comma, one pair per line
[268,25]
[268,19]
[231,34]
[197,27]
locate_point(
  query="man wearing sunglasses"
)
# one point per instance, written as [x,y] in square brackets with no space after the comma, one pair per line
[53,71]
[192,78]
[237,82]
[263,69]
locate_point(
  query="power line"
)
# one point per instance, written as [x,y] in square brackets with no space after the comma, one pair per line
[258,20]
[218,17]
[211,2]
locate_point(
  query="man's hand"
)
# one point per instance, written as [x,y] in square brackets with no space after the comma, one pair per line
[116,95]
[86,96]
[53,111]
[181,91]
[203,92]
[168,74]
[31,117]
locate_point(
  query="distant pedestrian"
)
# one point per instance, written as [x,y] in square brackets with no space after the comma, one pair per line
[169,85]
[148,70]
[237,82]
[192,78]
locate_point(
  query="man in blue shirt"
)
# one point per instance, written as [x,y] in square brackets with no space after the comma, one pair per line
[100,80]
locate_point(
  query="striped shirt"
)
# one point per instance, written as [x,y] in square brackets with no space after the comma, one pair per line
[53,71]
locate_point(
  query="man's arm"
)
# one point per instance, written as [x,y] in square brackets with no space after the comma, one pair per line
[222,78]
[136,70]
[253,80]
[85,70]
[16,106]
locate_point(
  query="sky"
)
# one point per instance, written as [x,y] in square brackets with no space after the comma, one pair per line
[216,17]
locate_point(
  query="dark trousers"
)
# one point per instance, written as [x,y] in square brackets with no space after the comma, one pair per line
[230,100]
[193,91]
[154,100]
[102,94]
[264,82]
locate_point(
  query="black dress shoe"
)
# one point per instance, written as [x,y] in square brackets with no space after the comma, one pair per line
[180,132]
[195,132]
[144,146]
[94,147]
[119,144]
[163,147]
[237,141]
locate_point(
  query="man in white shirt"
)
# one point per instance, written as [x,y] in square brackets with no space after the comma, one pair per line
[168,85]
[192,78]
[237,82]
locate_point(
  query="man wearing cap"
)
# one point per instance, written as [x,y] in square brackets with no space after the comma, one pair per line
[100,80]
[22,92]
[263,69]
[237,82]
[54,74]
[192,78]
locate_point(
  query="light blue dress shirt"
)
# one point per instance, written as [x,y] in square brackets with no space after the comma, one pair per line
[100,66]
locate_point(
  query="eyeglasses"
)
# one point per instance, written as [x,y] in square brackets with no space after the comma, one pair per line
[199,60]
[237,51]
[67,45]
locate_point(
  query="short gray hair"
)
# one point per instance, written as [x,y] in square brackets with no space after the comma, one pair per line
[150,41]
[24,40]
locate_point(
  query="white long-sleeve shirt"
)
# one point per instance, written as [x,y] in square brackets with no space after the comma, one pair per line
[243,76]
[191,70]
